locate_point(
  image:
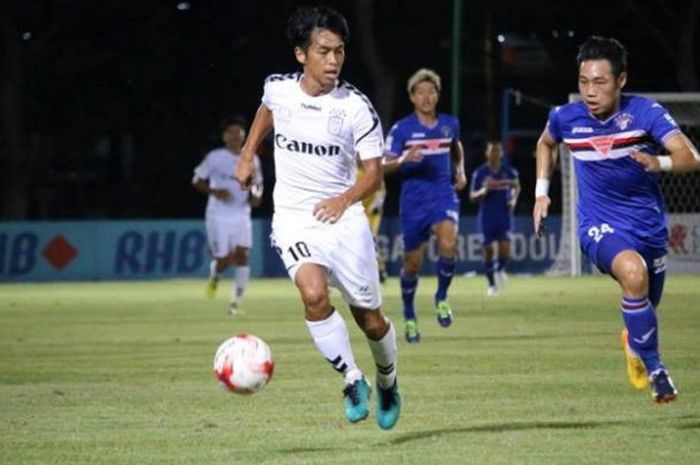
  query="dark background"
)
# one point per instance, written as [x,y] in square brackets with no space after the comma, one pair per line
[106,107]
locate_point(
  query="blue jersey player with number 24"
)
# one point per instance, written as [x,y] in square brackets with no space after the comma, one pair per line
[616,141]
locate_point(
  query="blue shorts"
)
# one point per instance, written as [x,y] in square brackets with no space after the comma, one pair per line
[418,221]
[495,232]
[601,244]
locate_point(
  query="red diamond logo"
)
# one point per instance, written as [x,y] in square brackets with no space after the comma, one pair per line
[59,252]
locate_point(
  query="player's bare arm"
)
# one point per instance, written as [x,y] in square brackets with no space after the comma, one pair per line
[262,125]
[457,153]
[683,156]
[330,210]
[546,147]
[392,163]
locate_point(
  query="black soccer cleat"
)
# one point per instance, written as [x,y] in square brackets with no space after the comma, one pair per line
[662,388]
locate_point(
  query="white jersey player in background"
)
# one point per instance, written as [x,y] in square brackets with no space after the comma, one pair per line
[319,228]
[227,218]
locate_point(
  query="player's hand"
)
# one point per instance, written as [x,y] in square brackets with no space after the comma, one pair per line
[245,170]
[413,155]
[378,202]
[650,163]
[330,210]
[221,194]
[460,180]
[539,213]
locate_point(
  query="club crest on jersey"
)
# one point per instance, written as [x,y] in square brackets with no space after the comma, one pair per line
[335,121]
[623,121]
[445,131]
[602,144]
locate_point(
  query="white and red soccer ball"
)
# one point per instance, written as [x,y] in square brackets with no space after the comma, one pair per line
[243,363]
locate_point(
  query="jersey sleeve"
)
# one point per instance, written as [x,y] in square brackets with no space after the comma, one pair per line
[394,141]
[513,174]
[477,180]
[553,124]
[367,132]
[269,90]
[661,123]
[455,123]
[203,170]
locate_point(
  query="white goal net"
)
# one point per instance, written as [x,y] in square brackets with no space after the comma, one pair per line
[681,193]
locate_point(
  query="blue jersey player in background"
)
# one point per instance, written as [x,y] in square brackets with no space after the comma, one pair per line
[616,141]
[425,147]
[496,185]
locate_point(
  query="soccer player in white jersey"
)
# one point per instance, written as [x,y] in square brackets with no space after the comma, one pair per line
[616,141]
[227,217]
[319,228]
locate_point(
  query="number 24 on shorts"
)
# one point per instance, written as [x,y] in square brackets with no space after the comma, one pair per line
[597,232]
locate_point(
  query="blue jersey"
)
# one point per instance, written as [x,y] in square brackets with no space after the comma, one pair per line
[494,208]
[614,189]
[433,174]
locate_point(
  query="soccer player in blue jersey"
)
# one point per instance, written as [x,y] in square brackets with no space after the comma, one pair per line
[496,186]
[426,149]
[616,141]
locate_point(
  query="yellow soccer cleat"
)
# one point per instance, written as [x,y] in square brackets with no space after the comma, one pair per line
[636,371]
[211,287]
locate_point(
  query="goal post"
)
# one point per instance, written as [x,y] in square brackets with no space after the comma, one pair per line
[681,195]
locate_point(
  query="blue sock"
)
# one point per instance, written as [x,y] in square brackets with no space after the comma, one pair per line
[502,262]
[445,271]
[408,293]
[488,269]
[640,319]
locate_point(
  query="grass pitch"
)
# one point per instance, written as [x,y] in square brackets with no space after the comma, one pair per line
[120,373]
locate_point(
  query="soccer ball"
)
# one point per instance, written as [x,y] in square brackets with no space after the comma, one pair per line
[243,363]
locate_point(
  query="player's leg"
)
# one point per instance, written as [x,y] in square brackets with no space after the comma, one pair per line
[218,248]
[355,275]
[330,334]
[412,261]
[615,252]
[381,337]
[446,234]
[241,262]
[489,268]
[630,270]
[503,259]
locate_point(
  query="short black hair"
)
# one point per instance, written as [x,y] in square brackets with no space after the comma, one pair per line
[230,120]
[604,48]
[305,19]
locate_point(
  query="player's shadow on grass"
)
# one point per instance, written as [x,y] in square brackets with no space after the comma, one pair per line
[503,427]
[516,337]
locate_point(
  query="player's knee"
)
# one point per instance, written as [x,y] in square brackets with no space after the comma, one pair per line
[374,325]
[634,278]
[316,301]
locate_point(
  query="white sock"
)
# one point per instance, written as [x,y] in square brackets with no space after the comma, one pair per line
[212,269]
[332,340]
[384,352]
[242,276]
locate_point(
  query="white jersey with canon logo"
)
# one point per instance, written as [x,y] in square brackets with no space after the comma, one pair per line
[317,140]
[218,167]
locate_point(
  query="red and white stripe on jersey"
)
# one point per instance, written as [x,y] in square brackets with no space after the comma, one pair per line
[429,146]
[609,146]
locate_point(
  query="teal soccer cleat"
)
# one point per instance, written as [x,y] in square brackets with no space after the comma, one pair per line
[356,400]
[388,406]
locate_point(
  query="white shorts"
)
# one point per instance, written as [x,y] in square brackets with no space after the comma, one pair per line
[225,235]
[345,248]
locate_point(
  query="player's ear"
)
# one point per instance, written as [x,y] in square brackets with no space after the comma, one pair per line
[300,55]
[622,79]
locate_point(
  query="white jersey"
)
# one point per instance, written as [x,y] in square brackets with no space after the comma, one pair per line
[218,167]
[317,140]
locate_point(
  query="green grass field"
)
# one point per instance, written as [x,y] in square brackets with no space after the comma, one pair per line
[120,373]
